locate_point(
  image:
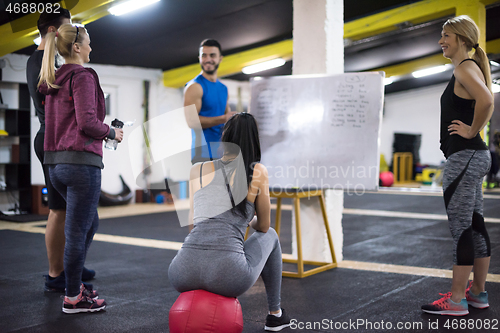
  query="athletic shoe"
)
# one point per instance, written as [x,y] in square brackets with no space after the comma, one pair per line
[87,274]
[55,285]
[58,284]
[89,292]
[275,324]
[479,301]
[445,306]
[83,304]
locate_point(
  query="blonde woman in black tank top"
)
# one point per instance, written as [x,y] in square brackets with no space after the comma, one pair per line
[466,108]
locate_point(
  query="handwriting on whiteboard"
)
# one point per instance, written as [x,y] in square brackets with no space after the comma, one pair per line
[330,120]
[349,108]
[271,107]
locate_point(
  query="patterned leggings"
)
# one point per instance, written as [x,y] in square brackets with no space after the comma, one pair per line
[463,198]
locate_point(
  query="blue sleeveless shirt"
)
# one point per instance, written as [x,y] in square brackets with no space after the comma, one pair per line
[213,104]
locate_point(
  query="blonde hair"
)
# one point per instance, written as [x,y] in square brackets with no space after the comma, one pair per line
[67,35]
[468,32]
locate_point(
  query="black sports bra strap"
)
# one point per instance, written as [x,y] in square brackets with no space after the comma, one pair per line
[468,59]
[201,175]
[227,184]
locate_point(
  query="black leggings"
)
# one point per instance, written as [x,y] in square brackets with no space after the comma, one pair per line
[56,201]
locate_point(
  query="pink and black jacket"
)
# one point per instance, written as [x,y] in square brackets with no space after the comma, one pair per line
[74,116]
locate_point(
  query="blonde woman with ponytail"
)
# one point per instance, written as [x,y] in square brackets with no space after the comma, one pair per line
[74,131]
[54,233]
[466,108]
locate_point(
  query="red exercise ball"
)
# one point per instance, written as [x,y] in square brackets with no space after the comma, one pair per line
[386,178]
[200,311]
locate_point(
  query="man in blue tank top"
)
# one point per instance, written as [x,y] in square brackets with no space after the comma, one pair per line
[210,98]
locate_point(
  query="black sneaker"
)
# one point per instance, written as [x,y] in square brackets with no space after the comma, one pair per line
[87,274]
[55,285]
[275,324]
[58,284]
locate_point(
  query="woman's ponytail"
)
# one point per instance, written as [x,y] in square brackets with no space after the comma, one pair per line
[467,31]
[482,59]
[47,73]
[59,43]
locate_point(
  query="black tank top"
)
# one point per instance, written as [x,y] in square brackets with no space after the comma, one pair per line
[457,108]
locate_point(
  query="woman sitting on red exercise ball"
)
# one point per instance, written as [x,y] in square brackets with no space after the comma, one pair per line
[225,195]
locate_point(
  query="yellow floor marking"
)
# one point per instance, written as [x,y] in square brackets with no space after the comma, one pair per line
[141,209]
[400,269]
[144,242]
[409,270]
[425,191]
[125,240]
[168,245]
[151,208]
[434,192]
[118,211]
[387,213]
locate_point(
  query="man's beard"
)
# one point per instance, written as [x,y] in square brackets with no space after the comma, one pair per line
[212,71]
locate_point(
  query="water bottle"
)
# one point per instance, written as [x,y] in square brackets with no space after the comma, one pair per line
[112,144]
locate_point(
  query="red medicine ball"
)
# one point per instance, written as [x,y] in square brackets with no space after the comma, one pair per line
[386,178]
[199,311]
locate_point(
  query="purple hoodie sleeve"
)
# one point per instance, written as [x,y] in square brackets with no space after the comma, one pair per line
[85,99]
[43,89]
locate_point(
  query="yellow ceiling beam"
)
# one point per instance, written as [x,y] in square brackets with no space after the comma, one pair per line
[415,13]
[488,2]
[413,65]
[90,10]
[476,11]
[492,46]
[231,64]
[84,11]
[422,11]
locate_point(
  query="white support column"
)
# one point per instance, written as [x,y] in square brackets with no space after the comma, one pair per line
[318,48]
[334,27]
[318,44]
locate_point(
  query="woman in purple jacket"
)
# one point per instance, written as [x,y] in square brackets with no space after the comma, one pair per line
[74,114]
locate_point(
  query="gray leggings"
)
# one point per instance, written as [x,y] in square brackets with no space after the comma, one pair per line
[463,197]
[228,273]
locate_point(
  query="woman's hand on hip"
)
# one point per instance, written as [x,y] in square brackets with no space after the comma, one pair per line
[459,128]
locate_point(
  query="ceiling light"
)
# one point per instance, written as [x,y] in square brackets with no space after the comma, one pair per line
[429,71]
[388,80]
[494,63]
[263,66]
[37,40]
[495,88]
[128,6]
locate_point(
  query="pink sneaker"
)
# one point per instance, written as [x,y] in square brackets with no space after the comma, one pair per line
[479,301]
[83,303]
[445,306]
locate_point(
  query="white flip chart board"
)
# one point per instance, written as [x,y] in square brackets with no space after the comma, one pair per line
[320,131]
